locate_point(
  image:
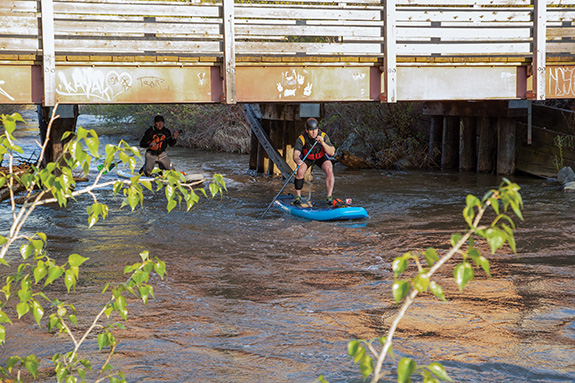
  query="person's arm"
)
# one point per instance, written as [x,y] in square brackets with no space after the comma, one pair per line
[145,142]
[297,157]
[327,145]
[173,138]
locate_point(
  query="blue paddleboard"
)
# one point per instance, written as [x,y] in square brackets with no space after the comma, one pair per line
[323,213]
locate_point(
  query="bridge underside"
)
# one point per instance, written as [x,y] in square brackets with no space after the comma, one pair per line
[337,81]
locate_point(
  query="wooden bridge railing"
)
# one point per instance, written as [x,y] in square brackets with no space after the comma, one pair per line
[383,33]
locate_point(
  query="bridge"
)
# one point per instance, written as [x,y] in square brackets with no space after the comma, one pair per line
[196,51]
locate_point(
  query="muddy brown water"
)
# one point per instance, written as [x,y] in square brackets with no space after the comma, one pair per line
[278,299]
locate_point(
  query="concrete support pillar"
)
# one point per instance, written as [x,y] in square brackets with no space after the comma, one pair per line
[468,152]
[487,153]
[435,139]
[506,128]
[450,144]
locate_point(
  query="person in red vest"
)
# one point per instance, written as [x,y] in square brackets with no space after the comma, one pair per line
[157,139]
[318,156]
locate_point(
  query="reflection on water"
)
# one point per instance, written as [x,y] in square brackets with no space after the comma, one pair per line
[277,299]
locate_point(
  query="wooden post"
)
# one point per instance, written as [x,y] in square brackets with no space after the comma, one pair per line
[435,138]
[487,152]
[65,123]
[254,152]
[506,146]
[450,144]
[468,159]
[265,158]
[276,134]
[289,139]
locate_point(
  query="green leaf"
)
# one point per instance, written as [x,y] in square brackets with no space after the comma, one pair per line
[405,369]
[495,238]
[472,201]
[352,347]
[455,238]
[54,272]
[400,290]
[4,318]
[103,340]
[437,290]
[356,351]
[366,366]
[22,308]
[438,370]
[399,265]
[468,215]
[40,271]
[2,335]
[144,292]
[26,250]
[37,312]
[463,274]
[171,205]
[11,362]
[160,268]
[431,256]
[31,364]
[69,279]
[73,319]
[421,282]
[484,263]
[75,260]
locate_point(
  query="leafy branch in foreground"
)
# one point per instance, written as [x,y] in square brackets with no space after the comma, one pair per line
[371,354]
[25,290]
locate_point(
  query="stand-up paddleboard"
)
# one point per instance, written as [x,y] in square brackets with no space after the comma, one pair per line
[191,179]
[320,213]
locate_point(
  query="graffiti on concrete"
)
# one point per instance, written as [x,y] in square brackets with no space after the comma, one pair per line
[92,83]
[4,93]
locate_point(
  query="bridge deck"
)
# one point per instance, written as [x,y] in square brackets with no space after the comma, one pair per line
[132,51]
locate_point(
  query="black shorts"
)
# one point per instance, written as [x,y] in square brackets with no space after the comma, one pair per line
[319,162]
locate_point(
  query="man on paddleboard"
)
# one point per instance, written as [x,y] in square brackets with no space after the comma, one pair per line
[157,139]
[318,155]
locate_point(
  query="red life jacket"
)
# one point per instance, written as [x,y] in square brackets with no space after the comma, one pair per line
[317,152]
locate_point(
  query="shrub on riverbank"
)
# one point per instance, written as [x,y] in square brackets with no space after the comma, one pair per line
[392,131]
[220,128]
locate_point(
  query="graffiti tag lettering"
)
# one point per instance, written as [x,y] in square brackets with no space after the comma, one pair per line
[153,82]
[94,83]
[4,93]
[561,82]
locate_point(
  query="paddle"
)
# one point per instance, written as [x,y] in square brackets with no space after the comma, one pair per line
[283,187]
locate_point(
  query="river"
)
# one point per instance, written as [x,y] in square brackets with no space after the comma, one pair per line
[277,299]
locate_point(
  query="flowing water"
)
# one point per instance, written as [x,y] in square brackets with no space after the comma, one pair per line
[277,299]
